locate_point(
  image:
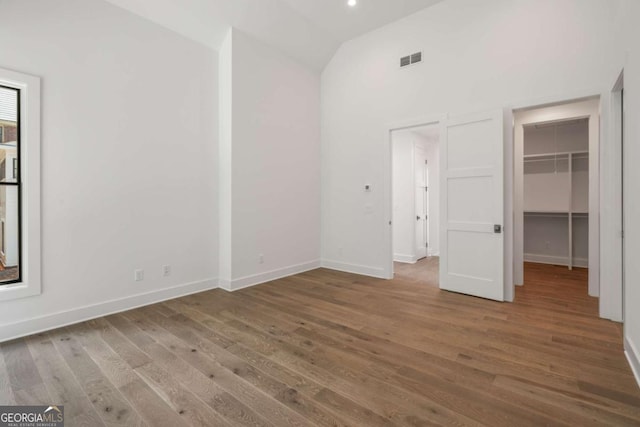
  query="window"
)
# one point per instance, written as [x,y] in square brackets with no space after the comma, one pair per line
[10,265]
[19,185]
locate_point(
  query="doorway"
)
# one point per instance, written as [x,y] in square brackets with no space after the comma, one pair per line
[415,195]
[556,189]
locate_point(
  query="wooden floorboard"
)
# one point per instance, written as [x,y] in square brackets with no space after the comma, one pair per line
[326,348]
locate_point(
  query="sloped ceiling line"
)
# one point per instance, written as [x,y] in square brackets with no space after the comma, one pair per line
[309,31]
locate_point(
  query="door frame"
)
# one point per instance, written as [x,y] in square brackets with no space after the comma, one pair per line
[427,207]
[425,203]
[556,113]
[608,176]
[612,252]
[439,120]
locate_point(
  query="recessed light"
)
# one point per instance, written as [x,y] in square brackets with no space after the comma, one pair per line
[352,3]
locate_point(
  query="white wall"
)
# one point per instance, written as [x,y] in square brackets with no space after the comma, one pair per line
[481,56]
[124,101]
[556,139]
[630,43]
[274,161]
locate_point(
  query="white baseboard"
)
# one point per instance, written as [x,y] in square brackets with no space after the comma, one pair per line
[407,259]
[633,357]
[353,268]
[64,318]
[225,284]
[256,279]
[555,260]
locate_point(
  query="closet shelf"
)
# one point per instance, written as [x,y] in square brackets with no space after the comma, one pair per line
[547,214]
[550,212]
[554,156]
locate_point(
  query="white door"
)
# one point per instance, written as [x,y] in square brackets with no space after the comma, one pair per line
[421,202]
[472,200]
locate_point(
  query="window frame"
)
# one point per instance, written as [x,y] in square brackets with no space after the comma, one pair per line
[30,282]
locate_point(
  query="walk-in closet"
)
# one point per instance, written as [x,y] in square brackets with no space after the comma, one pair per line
[556,193]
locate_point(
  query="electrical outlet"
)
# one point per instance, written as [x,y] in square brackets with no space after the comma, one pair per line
[166,270]
[138,275]
[547,245]
[261,259]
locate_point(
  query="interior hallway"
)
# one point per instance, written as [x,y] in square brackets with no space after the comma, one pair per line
[330,348]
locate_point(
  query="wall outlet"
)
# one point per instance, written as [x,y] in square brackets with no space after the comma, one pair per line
[166,270]
[138,275]
[260,259]
[547,245]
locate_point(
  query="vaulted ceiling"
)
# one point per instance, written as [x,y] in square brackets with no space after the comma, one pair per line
[308,30]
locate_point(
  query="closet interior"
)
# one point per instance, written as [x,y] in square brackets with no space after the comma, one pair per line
[556,193]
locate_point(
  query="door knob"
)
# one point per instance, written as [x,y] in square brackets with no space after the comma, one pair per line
[418,218]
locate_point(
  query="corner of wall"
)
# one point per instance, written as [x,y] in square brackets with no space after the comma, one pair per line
[257,279]
[633,357]
[362,270]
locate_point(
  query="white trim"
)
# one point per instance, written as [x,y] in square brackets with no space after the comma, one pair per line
[611,199]
[407,259]
[225,284]
[633,357]
[30,169]
[550,101]
[555,260]
[379,273]
[69,317]
[257,279]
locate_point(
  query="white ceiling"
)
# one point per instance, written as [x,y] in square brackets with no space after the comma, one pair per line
[308,30]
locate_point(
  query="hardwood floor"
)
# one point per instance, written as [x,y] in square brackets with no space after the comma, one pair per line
[332,349]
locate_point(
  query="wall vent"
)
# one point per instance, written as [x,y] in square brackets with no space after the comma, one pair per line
[411,59]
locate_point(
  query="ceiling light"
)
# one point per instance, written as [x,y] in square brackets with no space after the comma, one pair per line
[352,3]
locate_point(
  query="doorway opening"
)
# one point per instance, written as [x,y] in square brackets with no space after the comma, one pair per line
[556,193]
[415,199]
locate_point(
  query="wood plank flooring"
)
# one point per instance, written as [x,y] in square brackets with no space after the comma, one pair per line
[335,349]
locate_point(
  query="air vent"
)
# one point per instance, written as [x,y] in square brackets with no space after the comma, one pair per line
[411,59]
